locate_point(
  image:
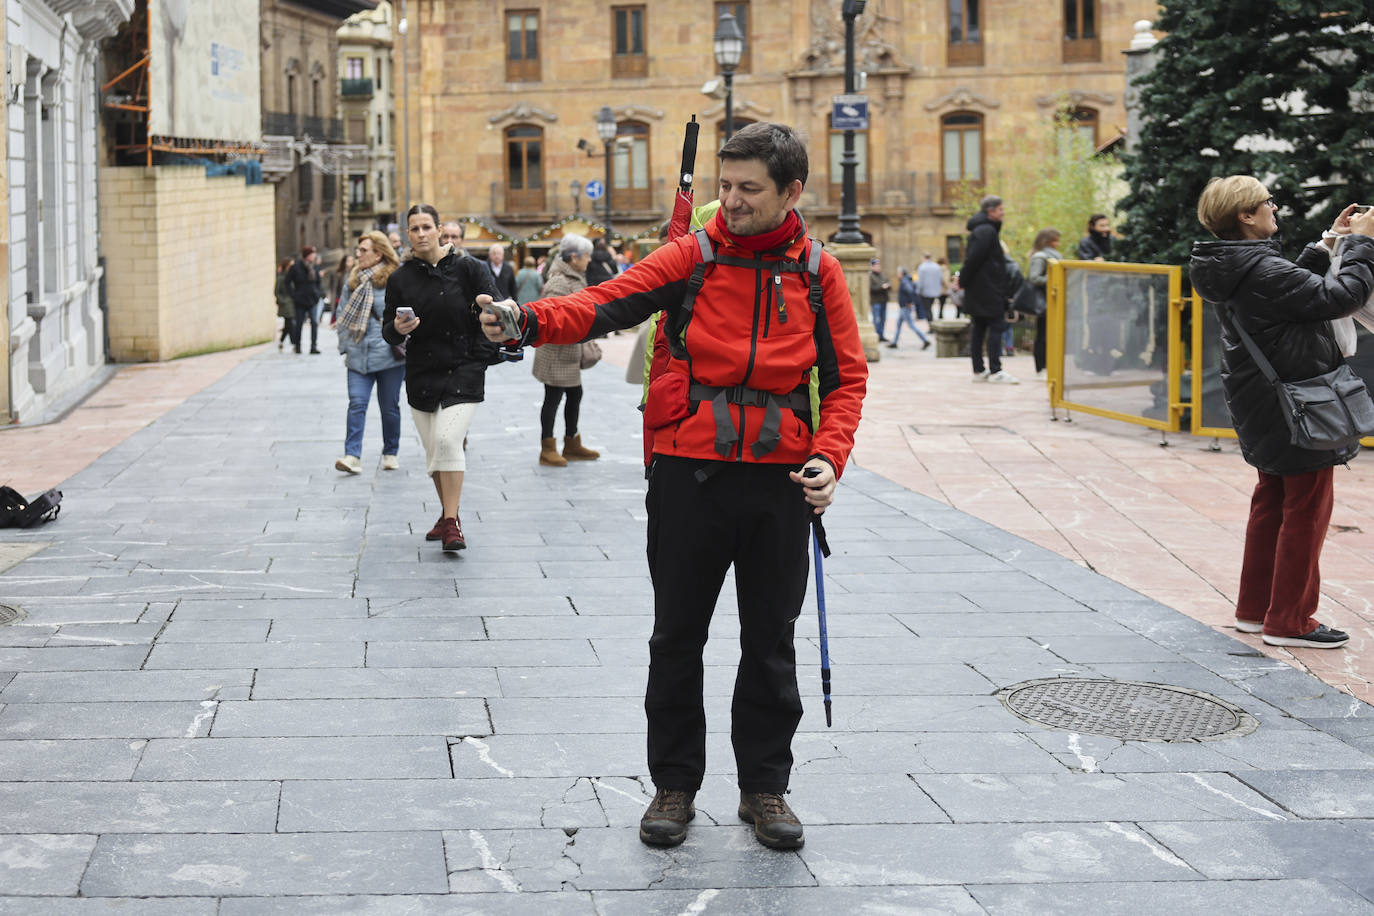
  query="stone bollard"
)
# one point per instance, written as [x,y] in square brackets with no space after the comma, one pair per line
[951,336]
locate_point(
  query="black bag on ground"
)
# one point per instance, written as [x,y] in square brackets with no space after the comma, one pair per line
[1325,412]
[18,512]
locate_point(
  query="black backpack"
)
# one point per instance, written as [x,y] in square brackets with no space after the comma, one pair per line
[17,512]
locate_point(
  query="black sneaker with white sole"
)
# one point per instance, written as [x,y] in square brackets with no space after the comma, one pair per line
[1323,637]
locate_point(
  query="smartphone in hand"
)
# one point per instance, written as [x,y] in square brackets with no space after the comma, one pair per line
[405,312]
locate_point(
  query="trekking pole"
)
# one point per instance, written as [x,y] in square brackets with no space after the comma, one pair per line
[821,547]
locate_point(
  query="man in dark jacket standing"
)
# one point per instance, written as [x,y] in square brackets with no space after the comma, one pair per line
[987,290]
[303,280]
[501,273]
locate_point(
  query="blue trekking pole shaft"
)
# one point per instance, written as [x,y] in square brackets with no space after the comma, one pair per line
[820,615]
[821,547]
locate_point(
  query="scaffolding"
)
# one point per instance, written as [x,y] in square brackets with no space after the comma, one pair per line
[128,92]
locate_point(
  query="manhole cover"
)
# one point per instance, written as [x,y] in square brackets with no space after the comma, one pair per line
[1127,709]
[9,614]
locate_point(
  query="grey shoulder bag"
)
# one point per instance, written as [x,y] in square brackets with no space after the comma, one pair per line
[1324,413]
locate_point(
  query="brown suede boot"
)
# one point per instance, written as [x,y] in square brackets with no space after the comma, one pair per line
[574,450]
[548,453]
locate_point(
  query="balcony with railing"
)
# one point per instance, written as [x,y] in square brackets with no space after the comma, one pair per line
[286,124]
[356,88]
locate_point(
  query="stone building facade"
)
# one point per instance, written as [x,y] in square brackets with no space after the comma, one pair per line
[53,332]
[301,123]
[367,101]
[502,92]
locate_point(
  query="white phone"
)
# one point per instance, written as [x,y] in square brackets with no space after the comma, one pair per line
[405,312]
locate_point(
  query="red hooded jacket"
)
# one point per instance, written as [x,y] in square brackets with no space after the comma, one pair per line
[750,327]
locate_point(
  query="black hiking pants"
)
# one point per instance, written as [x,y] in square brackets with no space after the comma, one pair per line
[753,517]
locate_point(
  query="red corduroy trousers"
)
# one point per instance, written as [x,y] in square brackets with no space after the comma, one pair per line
[1280,582]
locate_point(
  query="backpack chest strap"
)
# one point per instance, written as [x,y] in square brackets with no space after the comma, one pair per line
[770,434]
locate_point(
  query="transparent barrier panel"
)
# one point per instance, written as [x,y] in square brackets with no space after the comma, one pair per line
[1207,364]
[1363,360]
[1116,341]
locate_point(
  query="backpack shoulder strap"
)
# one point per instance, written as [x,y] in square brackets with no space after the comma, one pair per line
[708,256]
[813,271]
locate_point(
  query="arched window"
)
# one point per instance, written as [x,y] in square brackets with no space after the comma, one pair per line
[961,150]
[1078,126]
[524,167]
[862,194]
[630,167]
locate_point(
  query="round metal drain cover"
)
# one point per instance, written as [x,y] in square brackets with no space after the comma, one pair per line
[9,614]
[1127,709]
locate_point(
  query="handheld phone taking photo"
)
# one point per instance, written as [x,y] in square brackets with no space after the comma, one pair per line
[1361,208]
[508,316]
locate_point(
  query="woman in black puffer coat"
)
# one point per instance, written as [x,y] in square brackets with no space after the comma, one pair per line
[1287,309]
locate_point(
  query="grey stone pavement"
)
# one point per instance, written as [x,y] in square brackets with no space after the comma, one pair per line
[244,684]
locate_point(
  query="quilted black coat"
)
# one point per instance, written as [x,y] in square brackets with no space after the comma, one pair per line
[1286,307]
[447,355]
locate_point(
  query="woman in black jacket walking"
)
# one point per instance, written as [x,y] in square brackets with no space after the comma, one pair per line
[1287,309]
[446,357]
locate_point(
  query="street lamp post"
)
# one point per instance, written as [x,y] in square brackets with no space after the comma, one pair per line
[729,46]
[606,130]
[403,28]
[849,233]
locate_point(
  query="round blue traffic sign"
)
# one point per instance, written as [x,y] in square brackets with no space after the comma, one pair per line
[595,189]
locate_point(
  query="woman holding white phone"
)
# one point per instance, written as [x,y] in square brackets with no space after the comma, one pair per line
[369,359]
[430,298]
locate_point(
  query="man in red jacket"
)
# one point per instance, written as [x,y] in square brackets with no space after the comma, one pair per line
[756,322]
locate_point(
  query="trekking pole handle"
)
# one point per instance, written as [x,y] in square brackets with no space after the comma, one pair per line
[689,155]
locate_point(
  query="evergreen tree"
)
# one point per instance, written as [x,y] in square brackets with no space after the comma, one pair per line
[1279,89]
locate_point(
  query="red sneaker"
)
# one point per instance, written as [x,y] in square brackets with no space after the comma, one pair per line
[452,536]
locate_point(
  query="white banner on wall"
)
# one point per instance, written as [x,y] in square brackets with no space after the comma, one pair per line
[204,75]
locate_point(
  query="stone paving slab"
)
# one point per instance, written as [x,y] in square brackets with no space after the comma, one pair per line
[399,730]
[260,864]
[126,807]
[39,864]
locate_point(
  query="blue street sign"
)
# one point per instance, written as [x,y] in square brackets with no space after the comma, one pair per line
[595,189]
[849,112]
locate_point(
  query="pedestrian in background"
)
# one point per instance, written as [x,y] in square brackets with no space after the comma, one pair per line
[602,266]
[1097,244]
[907,298]
[501,273]
[447,356]
[1287,309]
[987,290]
[368,358]
[286,306]
[340,279]
[930,284]
[453,233]
[1044,249]
[303,279]
[946,287]
[527,282]
[559,366]
[878,287]
[394,238]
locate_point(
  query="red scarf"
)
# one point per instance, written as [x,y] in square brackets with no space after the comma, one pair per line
[779,238]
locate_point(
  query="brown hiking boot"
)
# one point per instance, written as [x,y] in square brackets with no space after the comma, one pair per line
[665,820]
[775,826]
[574,450]
[548,453]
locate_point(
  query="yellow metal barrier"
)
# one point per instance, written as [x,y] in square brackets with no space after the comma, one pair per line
[1114,345]
[1208,407]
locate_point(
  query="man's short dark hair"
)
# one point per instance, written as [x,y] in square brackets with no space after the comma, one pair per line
[777,146]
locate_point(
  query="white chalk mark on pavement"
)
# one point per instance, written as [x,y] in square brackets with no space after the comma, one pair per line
[1159,852]
[637,799]
[484,754]
[1229,797]
[490,866]
[699,905]
[1088,764]
[209,707]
